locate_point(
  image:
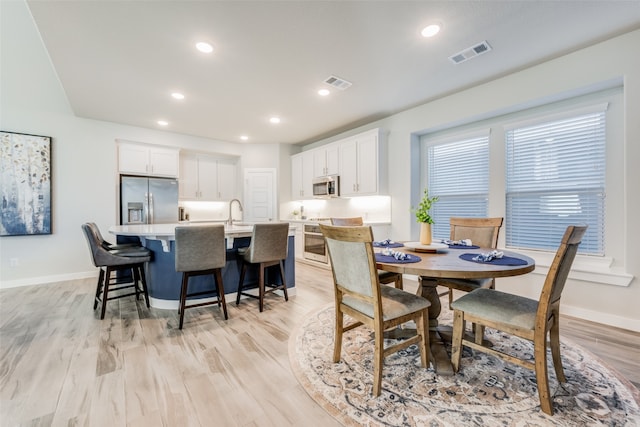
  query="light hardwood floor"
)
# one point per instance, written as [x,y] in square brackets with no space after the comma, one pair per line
[61,365]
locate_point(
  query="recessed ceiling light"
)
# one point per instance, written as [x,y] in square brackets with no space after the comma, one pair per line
[177,95]
[430,30]
[324,92]
[163,122]
[204,47]
[244,137]
[274,120]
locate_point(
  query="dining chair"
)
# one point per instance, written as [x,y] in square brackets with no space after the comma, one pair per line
[200,251]
[386,277]
[482,232]
[129,260]
[523,317]
[358,294]
[268,247]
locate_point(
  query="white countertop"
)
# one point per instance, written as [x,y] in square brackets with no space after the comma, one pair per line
[166,232]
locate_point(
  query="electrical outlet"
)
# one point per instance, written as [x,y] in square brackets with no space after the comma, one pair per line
[14,262]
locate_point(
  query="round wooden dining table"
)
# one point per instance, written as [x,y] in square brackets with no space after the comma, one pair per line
[446,263]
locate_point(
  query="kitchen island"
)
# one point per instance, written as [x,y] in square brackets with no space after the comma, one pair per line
[164,281]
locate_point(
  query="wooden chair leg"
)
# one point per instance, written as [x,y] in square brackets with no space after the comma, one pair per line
[456,340]
[398,282]
[378,360]
[542,378]
[554,342]
[423,331]
[337,343]
[183,297]
[220,289]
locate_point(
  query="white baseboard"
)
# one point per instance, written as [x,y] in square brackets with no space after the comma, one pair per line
[32,281]
[602,318]
[164,304]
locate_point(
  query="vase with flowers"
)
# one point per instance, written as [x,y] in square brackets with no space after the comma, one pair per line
[423,216]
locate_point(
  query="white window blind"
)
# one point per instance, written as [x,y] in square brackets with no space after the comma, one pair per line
[555,178]
[458,173]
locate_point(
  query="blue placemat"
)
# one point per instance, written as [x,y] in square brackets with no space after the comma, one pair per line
[505,260]
[384,244]
[391,260]
[463,247]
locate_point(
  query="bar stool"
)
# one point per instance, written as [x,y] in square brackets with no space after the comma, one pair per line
[268,248]
[110,246]
[129,260]
[200,251]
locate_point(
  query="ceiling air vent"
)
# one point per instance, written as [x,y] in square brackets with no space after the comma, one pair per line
[470,52]
[338,83]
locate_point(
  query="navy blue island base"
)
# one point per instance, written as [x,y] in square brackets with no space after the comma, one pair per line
[163,281]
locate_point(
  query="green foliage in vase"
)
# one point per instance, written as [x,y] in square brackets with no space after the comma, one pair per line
[422,212]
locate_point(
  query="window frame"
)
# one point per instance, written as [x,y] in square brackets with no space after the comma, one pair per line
[608,269]
[441,228]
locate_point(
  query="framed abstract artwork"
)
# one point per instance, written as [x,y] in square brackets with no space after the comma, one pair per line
[25,184]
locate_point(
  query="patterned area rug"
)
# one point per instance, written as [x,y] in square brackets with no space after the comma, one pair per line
[486,392]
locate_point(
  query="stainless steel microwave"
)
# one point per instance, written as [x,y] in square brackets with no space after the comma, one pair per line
[326,186]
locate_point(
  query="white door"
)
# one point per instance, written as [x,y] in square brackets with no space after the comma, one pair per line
[259,192]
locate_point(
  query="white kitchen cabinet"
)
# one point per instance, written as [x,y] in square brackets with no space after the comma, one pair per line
[361,169]
[142,159]
[227,179]
[325,160]
[302,176]
[207,178]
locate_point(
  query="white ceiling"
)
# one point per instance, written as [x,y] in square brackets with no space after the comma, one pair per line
[119,61]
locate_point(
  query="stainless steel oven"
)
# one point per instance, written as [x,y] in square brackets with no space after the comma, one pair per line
[314,245]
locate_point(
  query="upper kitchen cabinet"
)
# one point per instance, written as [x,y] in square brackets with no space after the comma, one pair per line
[362,171]
[302,175]
[150,160]
[325,160]
[207,178]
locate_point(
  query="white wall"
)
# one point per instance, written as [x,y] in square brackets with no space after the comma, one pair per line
[83,156]
[567,76]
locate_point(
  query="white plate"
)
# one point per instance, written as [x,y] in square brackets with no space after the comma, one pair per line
[419,247]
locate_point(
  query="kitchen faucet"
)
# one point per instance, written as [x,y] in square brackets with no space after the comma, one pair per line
[230,220]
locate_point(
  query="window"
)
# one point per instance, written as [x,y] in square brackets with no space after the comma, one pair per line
[555,177]
[458,173]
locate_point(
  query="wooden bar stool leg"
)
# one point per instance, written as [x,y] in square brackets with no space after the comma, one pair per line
[261,286]
[183,297]
[136,279]
[220,288]
[105,292]
[284,283]
[243,270]
[143,280]
[98,288]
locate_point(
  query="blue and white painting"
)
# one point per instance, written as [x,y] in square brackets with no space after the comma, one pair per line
[25,184]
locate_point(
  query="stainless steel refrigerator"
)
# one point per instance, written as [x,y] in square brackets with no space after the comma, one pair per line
[148,200]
